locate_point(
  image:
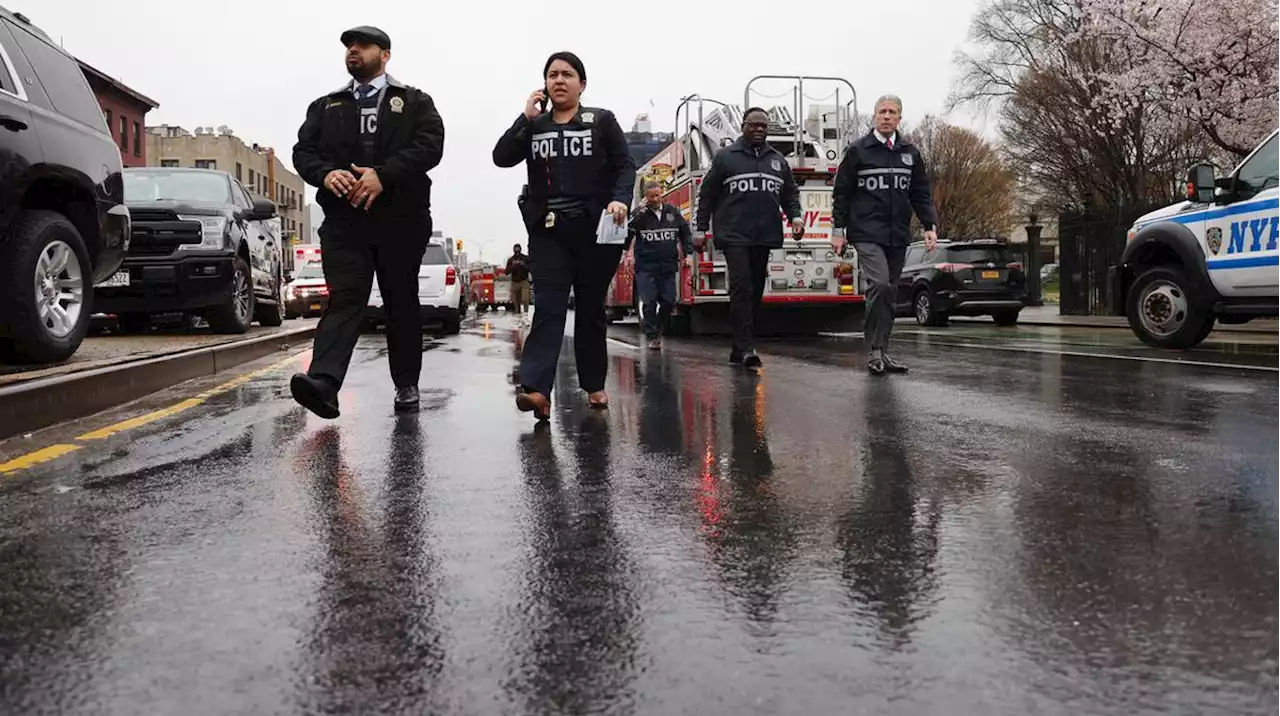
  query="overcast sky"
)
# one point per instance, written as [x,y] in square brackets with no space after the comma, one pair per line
[254,66]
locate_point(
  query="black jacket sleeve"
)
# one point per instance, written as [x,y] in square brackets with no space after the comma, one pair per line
[842,192]
[790,196]
[311,166]
[621,166]
[922,193]
[709,192]
[686,236]
[513,145]
[425,147]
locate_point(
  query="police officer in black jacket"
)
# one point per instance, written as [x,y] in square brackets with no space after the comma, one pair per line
[579,166]
[660,234]
[881,181]
[367,146]
[748,185]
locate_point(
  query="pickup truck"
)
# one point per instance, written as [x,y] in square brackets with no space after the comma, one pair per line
[1211,258]
[200,246]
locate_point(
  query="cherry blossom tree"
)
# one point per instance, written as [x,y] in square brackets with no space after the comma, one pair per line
[1212,62]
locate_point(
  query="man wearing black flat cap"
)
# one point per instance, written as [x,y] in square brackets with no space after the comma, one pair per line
[367,147]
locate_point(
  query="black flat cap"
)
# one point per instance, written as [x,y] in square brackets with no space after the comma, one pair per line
[368,33]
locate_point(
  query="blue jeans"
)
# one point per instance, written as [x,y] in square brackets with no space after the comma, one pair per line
[657,291]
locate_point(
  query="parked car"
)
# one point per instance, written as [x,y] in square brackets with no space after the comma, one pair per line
[307,295]
[63,222]
[200,246]
[439,293]
[961,278]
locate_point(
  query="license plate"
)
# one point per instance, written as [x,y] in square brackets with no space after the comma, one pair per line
[121,278]
[991,274]
[316,307]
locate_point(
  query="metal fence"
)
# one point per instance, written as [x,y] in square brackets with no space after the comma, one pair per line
[1089,243]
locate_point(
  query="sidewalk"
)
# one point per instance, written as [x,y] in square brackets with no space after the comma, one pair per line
[1048,315]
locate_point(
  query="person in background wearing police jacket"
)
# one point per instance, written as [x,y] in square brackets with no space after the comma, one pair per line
[579,166]
[748,184]
[880,182]
[367,146]
[660,233]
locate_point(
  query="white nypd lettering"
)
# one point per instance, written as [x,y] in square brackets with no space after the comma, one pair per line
[755,181]
[562,143]
[651,235]
[368,120]
[884,182]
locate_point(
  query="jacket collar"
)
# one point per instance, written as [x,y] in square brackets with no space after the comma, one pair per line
[871,140]
[741,146]
[346,89]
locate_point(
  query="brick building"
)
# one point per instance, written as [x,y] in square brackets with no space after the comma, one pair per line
[125,110]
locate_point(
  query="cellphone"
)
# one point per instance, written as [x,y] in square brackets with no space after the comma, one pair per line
[542,103]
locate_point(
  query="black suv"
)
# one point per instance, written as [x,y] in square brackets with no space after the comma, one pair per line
[961,278]
[201,244]
[63,223]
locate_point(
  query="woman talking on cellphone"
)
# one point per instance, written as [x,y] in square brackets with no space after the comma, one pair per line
[579,167]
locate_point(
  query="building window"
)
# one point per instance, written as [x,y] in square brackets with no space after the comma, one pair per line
[137,139]
[253,181]
[206,164]
[107,113]
[169,162]
[238,170]
[124,133]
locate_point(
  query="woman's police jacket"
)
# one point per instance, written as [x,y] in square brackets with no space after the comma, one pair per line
[586,158]
[745,188]
[876,190]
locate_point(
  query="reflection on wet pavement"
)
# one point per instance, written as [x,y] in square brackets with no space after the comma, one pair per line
[1031,533]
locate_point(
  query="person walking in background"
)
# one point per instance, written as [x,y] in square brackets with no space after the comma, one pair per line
[748,187]
[518,272]
[660,234]
[579,167]
[367,146]
[880,183]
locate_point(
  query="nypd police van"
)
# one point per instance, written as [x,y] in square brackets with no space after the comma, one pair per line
[1209,259]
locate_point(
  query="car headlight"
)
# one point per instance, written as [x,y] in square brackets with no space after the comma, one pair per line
[212,230]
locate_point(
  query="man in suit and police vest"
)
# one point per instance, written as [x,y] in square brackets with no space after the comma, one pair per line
[367,146]
[660,234]
[880,183]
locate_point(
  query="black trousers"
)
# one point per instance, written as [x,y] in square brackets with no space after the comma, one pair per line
[351,253]
[748,268]
[563,257]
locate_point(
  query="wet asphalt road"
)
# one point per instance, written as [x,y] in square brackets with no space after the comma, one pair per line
[996,533]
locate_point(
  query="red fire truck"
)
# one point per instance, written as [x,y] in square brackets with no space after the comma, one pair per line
[809,288]
[490,287]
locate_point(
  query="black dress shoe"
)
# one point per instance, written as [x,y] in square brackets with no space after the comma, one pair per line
[407,399]
[893,366]
[735,357]
[318,395]
[876,365]
[752,361]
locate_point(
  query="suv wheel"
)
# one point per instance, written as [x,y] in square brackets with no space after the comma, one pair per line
[926,313]
[273,315]
[1005,318]
[235,313]
[1162,311]
[49,280]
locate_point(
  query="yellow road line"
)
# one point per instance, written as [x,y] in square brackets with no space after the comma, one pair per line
[56,451]
[35,458]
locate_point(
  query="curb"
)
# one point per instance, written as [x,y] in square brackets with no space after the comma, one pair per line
[1076,324]
[37,404]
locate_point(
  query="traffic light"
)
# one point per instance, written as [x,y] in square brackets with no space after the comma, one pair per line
[459,245]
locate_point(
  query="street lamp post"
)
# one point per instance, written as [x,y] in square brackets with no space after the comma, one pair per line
[1033,260]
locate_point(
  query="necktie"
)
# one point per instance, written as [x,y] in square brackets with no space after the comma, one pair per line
[889,142]
[363,92]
